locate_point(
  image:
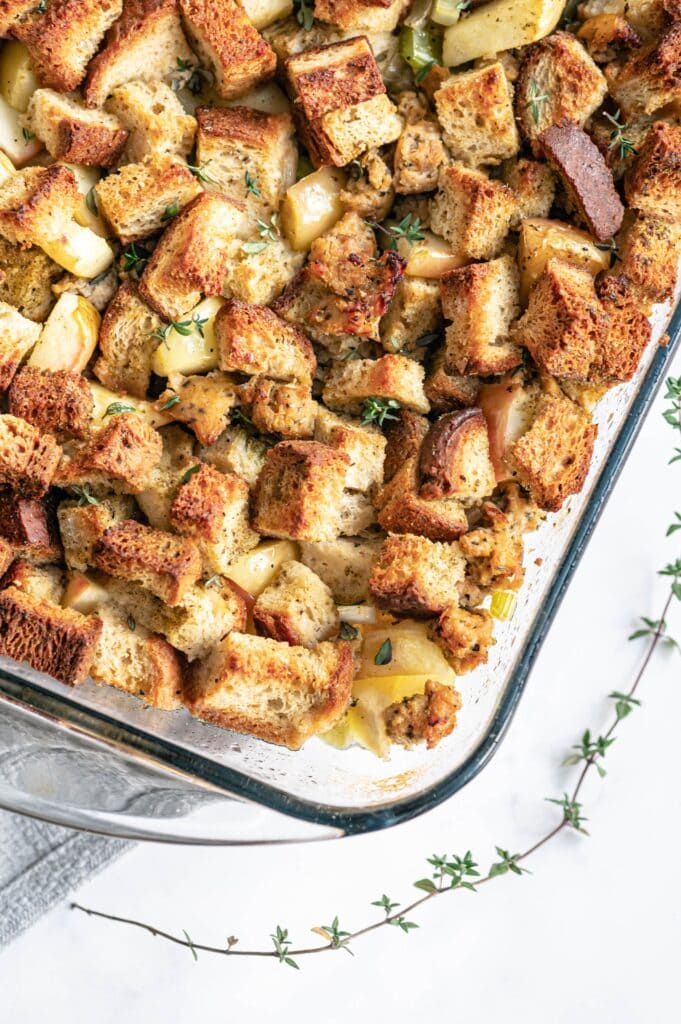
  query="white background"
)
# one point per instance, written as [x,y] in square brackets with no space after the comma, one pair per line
[592,935]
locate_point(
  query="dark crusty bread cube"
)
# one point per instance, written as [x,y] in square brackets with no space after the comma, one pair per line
[120,457]
[653,185]
[28,458]
[404,510]
[55,403]
[82,525]
[446,390]
[30,527]
[74,133]
[11,11]
[202,402]
[416,577]
[651,78]
[629,332]
[165,564]
[649,250]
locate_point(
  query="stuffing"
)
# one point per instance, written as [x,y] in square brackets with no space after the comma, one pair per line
[155,120]
[146,43]
[363,445]
[427,716]
[191,258]
[165,565]
[403,509]
[648,257]
[11,11]
[260,274]
[494,553]
[416,577]
[227,45]
[120,457]
[473,212]
[419,155]
[454,460]
[26,279]
[404,435]
[250,155]
[212,508]
[564,323]
[368,189]
[82,524]
[18,335]
[368,15]
[252,339]
[177,459]
[393,378]
[127,342]
[297,608]
[651,78]
[558,80]
[62,38]
[72,132]
[285,409]
[56,403]
[299,491]
[552,458]
[534,186]
[279,693]
[202,402]
[447,391]
[653,184]
[464,637]
[475,109]
[413,317]
[30,527]
[482,301]
[340,101]
[236,451]
[628,333]
[28,459]
[343,564]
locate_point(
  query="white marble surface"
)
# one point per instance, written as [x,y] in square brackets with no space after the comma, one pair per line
[591,935]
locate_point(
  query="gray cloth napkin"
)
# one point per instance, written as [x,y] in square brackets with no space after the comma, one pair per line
[40,865]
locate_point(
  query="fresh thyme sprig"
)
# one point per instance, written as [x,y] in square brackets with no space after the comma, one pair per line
[617,136]
[133,261]
[409,228]
[378,410]
[184,327]
[269,232]
[304,13]
[200,173]
[537,97]
[252,185]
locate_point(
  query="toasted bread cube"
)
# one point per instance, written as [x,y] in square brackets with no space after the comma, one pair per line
[191,258]
[227,45]
[55,403]
[81,525]
[26,277]
[628,334]
[297,608]
[494,553]
[236,451]
[202,402]
[534,186]
[404,436]
[482,300]
[278,693]
[18,335]
[74,133]
[564,324]
[119,457]
[649,250]
[162,563]
[44,582]
[299,491]
[585,176]
[343,564]
[654,182]
[416,577]
[177,458]
[285,409]
[423,717]
[475,109]
[212,508]
[30,527]
[6,556]
[363,445]
[419,154]
[136,661]
[146,43]
[261,276]
[195,625]
[127,343]
[350,384]
[552,458]
[650,79]
[413,316]
[446,390]
[369,193]
[28,459]
[156,121]
[558,79]
[141,198]
[252,339]
[464,636]
[472,212]
[374,16]
[12,11]
[340,101]
[404,510]
[454,461]
[541,240]
[63,38]
[54,640]
[252,156]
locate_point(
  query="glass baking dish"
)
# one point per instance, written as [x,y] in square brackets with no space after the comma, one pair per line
[96,758]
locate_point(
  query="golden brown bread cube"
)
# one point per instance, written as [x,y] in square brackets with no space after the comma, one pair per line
[482,300]
[534,186]
[279,693]
[412,318]
[299,491]
[424,717]
[558,79]
[343,564]
[202,402]
[416,577]
[552,458]
[136,201]
[74,133]
[127,342]
[18,335]
[28,458]
[651,78]
[30,527]
[81,524]
[404,436]
[155,120]
[369,15]
[252,339]
[177,459]
[397,378]
[119,457]
[364,446]
[296,608]
[56,403]
[628,334]
[473,212]
[475,109]
[26,278]
[653,185]
[446,390]
[649,250]
[404,510]
[11,11]
[465,637]
[237,451]
[454,459]
[419,154]
[34,201]
[285,409]
[162,563]
[227,45]
[494,552]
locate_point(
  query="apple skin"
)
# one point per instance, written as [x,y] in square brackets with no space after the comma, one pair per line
[508,408]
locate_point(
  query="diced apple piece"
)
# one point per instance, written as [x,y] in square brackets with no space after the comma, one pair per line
[83,595]
[359,614]
[499,25]
[312,206]
[7,168]
[103,399]
[509,410]
[17,80]
[255,570]
[20,147]
[413,653]
[430,258]
[262,13]
[542,240]
[80,251]
[363,722]
[69,336]
[195,352]
[86,179]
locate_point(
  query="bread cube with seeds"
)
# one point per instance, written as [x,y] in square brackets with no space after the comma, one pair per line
[416,577]
[162,563]
[154,119]
[475,110]
[238,451]
[653,185]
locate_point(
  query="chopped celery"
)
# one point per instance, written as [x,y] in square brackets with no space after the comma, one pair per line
[446,12]
[420,49]
[503,605]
